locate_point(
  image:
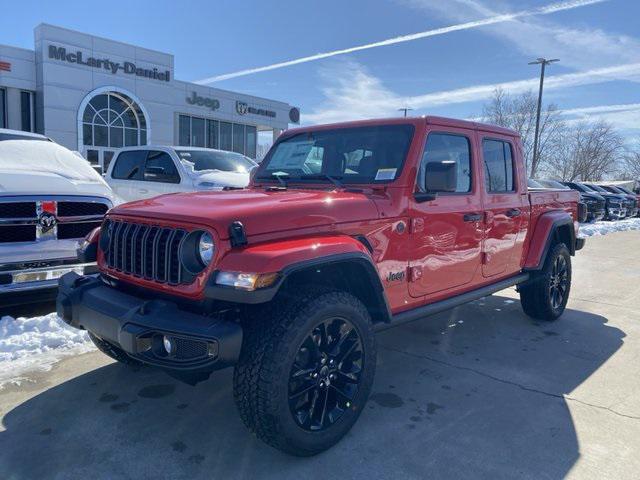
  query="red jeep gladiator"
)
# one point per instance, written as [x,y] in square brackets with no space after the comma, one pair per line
[345,230]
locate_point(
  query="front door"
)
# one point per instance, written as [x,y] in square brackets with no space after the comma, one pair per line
[504,207]
[447,232]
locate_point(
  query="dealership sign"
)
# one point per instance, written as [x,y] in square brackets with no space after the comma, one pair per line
[243,108]
[129,68]
[195,99]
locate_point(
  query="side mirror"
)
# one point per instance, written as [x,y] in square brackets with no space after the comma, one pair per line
[441,177]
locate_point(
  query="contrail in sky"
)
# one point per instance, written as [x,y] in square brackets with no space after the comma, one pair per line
[546,10]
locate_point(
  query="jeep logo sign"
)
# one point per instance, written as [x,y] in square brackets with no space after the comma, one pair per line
[195,99]
[77,57]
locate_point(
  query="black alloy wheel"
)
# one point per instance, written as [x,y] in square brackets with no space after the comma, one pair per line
[559,281]
[325,374]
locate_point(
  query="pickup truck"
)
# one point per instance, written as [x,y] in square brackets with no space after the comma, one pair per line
[344,230]
[50,198]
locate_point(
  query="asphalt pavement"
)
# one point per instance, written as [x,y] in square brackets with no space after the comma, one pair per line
[479,392]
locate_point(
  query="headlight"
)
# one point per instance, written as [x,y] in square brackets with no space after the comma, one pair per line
[197,251]
[206,248]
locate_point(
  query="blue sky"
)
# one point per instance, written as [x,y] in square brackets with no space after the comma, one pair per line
[451,74]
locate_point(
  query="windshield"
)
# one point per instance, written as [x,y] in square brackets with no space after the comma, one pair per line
[199,160]
[597,188]
[352,155]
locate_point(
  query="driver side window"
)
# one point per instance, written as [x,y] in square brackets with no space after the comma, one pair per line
[447,148]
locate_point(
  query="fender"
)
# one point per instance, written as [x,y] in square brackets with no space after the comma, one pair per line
[289,257]
[545,231]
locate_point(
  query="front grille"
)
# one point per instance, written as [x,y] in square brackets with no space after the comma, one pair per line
[189,349]
[81,209]
[146,251]
[75,230]
[18,210]
[17,233]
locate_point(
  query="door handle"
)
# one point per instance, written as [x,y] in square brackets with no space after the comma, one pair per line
[472,217]
[143,190]
[514,212]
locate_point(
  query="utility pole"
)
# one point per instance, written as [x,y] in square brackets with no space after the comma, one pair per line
[405,110]
[543,62]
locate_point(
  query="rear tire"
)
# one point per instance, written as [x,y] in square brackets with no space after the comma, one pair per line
[305,371]
[114,352]
[545,296]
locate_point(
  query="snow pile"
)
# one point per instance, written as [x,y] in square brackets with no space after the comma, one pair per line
[36,343]
[604,228]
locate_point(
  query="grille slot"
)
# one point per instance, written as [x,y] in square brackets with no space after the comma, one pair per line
[17,233]
[75,230]
[147,251]
[81,209]
[18,210]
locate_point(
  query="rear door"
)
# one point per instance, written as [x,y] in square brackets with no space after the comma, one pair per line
[126,173]
[447,232]
[506,205]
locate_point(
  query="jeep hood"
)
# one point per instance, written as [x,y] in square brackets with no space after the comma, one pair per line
[259,211]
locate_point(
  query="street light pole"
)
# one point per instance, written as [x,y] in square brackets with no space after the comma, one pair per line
[543,62]
[405,110]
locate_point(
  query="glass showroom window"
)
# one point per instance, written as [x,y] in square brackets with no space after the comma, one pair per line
[201,132]
[27,111]
[3,108]
[113,120]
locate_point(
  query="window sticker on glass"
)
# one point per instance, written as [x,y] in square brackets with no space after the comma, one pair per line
[386,174]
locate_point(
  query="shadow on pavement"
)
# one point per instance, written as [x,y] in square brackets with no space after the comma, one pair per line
[473,393]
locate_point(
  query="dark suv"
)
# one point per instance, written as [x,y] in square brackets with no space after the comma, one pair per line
[596,203]
[617,204]
[632,201]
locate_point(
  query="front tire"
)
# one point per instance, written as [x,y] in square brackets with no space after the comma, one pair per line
[305,371]
[545,296]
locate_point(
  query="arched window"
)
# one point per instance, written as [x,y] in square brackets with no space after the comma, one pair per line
[113,120]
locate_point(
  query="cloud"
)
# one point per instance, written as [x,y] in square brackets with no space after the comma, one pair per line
[352,92]
[492,20]
[578,48]
[622,116]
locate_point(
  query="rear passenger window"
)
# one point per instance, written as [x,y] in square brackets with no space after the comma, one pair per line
[160,168]
[129,165]
[445,147]
[498,166]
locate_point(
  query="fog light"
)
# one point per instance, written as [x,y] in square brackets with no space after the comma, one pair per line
[167,344]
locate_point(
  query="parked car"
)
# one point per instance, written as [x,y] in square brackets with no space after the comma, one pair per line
[144,172]
[619,203]
[553,184]
[596,204]
[632,201]
[630,192]
[289,279]
[49,200]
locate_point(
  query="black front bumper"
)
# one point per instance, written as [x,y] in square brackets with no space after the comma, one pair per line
[199,343]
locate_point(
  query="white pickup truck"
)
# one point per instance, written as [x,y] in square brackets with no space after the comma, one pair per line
[50,198]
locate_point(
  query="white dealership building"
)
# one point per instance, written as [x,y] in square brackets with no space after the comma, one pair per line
[95,95]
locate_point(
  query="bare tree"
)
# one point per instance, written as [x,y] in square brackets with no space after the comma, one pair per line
[586,152]
[519,113]
[630,168]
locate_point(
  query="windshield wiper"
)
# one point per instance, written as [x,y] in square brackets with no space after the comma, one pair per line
[335,180]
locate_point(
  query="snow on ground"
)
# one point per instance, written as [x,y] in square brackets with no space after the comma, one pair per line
[604,228]
[28,344]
